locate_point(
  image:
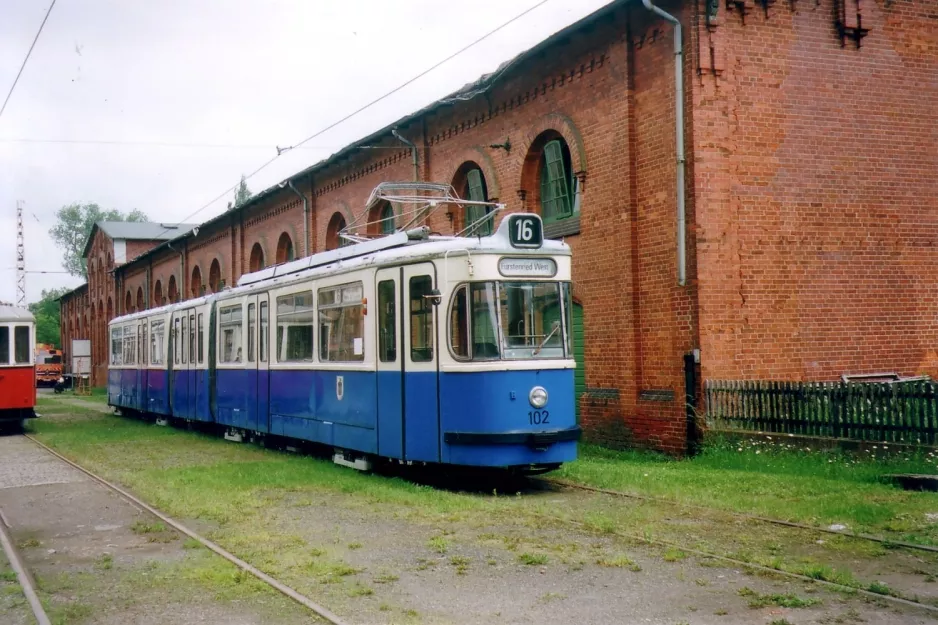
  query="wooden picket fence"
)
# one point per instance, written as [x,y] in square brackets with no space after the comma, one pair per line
[897,412]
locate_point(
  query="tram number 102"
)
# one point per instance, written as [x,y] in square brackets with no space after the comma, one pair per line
[538,417]
[525,230]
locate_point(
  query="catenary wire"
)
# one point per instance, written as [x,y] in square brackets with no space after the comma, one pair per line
[26,59]
[363,108]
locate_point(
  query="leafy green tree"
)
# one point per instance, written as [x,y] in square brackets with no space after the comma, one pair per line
[46,312]
[73,226]
[242,194]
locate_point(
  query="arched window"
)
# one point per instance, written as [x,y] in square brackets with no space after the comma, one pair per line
[128,303]
[469,183]
[257,258]
[387,219]
[547,176]
[336,225]
[214,276]
[172,291]
[140,302]
[110,261]
[285,249]
[158,293]
[196,281]
[110,310]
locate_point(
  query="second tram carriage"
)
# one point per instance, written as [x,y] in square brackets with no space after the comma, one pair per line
[411,348]
[17,370]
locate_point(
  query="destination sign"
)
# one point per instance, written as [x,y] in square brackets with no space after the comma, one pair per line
[527,267]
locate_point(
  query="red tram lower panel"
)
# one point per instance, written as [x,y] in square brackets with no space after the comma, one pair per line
[17,393]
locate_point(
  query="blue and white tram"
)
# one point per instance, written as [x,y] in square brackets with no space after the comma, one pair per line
[410,348]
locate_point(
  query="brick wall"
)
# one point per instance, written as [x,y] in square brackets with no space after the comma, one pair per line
[816,193]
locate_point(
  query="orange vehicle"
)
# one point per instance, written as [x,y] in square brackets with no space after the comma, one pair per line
[49,366]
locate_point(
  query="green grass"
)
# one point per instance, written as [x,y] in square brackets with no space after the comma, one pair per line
[759,600]
[820,488]
[244,492]
[532,559]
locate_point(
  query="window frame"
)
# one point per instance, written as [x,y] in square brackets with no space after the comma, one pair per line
[16,343]
[6,330]
[425,312]
[343,305]
[559,206]
[282,300]
[264,325]
[477,191]
[222,325]
[383,317]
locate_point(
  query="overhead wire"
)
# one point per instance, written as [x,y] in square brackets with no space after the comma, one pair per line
[26,59]
[362,108]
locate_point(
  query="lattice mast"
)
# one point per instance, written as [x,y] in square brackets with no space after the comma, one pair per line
[20,257]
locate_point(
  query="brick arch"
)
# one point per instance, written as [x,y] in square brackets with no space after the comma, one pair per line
[290,232]
[375,221]
[258,258]
[459,181]
[563,126]
[215,275]
[172,289]
[481,158]
[128,302]
[141,303]
[339,208]
[195,282]
[157,293]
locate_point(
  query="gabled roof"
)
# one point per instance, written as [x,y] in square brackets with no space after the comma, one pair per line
[137,231]
[468,92]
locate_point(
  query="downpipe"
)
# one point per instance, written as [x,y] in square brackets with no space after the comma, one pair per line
[679,133]
[305,217]
[413,151]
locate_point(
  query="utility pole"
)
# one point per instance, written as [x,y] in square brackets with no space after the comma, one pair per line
[20,258]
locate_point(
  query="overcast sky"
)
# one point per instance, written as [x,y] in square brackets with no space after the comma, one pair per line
[244,74]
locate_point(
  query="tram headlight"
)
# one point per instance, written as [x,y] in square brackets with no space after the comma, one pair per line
[538,397]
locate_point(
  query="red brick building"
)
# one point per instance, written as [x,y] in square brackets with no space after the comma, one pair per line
[811,134]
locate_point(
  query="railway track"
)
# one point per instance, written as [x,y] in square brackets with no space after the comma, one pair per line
[330,617]
[29,589]
[742,515]
[23,577]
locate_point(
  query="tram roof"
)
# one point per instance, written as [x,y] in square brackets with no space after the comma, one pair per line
[388,250]
[14,313]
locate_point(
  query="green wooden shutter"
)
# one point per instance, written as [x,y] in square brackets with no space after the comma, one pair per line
[477,194]
[579,376]
[555,189]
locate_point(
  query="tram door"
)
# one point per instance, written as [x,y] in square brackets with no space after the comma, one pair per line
[182,376]
[408,387]
[258,361]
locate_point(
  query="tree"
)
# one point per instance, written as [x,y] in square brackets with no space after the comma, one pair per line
[46,312]
[73,227]
[242,194]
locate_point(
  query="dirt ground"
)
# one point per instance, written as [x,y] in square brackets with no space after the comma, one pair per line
[90,553]
[100,560]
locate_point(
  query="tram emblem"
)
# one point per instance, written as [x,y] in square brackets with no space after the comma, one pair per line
[339,387]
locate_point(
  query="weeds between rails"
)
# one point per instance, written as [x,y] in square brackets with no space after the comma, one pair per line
[741,515]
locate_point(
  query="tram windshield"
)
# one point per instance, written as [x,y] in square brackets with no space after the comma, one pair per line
[511,321]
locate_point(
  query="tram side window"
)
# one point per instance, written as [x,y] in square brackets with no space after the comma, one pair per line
[295,320]
[473,331]
[459,324]
[192,338]
[141,341]
[4,345]
[157,341]
[341,323]
[387,322]
[176,341]
[183,339]
[265,332]
[117,339]
[201,337]
[252,327]
[22,346]
[229,321]
[130,344]
[421,319]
